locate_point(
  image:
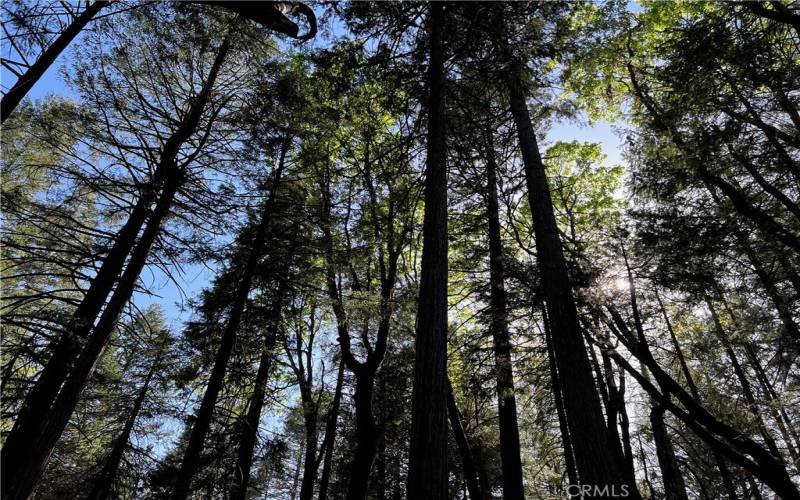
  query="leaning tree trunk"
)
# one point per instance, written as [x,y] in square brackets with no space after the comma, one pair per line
[249,436]
[674,486]
[33,459]
[513,488]
[747,389]
[464,450]
[721,437]
[191,456]
[594,460]
[427,465]
[28,79]
[727,481]
[330,434]
[104,481]
[38,403]
[566,441]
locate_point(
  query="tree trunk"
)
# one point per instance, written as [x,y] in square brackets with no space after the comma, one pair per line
[593,457]
[33,460]
[427,467]
[249,425]
[27,80]
[674,486]
[747,389]
[330,434]
[566,442]
[33,416]
[721,437]
[513,488]
[104,481]
[727,481]
[194,448]
[310,462]
[616,408]
[467,461]
[367,435]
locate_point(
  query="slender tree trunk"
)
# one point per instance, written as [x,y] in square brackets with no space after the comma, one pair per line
[296,479]
[427,467]
[674,486]
[27,80]
[616,412]
[774,406]
[381,473]
[249,424]
[747,389]
[330,434]
[671,473]
[104,481]
[727,481]
[723,438]
[467,461]
[194,448]
[566,442]
[593,457]
[310,462]
[782,305]
[513,488]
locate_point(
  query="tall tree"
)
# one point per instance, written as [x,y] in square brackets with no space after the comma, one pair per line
[427,468]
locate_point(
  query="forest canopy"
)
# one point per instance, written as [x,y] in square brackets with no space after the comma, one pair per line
[423,250]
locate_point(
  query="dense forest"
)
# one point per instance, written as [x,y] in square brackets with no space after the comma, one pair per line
[283,250]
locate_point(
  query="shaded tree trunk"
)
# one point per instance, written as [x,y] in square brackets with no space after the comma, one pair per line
[594,460]
[194,448]
[330,434]
[727,481]
[249,425]
[310,462]
[721,437]
[367,438]
[464,450]
[33,459]
[105,480]
[427,466]
[513,488]
[747,389]
[34,411]
[674,485]
[566,442]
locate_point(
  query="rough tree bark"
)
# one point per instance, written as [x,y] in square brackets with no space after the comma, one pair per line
[513,488]
[427,466]
[594,460]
